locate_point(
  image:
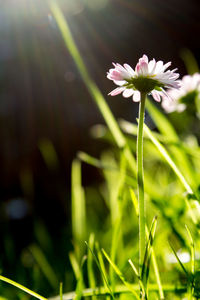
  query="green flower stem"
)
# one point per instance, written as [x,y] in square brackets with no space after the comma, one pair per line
[140,181]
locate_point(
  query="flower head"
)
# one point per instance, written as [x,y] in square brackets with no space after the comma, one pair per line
[148,77]
[178,99]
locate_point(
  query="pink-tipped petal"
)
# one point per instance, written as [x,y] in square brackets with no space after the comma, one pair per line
[117,91]
[156,96]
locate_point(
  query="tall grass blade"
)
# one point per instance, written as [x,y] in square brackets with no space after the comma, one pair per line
[78,208]
[92,88]
[90,270]
[44,265]
[21,287]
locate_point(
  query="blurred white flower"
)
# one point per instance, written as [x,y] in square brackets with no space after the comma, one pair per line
[177,99]
[148,77]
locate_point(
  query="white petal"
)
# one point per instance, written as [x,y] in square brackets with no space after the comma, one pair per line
[166,66]
[159,66]
[127,93]
[136,96]
[152,65]
[129,69]
[120,83]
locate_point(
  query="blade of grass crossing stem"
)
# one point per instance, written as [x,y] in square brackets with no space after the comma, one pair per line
[166,128]
[78,208]
[191,245]
[92,88]
[44,265]
[147,256]
[121,276]
[182,179]
[102,272]
[194,152]
[138,276]
[90,270]
[21,287]
[154,261]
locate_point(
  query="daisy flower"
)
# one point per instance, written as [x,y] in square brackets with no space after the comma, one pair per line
[178,99]
[149,77]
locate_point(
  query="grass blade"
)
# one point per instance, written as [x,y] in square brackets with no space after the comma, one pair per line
[78,274]
[192,251]
[44,265]
[102,266]
[21,287]
[101,271]
[91,275]
[179,261]
[78,201]
[92,88]
[61,291]
[121,276]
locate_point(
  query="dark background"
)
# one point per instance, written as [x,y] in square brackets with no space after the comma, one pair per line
[45,109]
